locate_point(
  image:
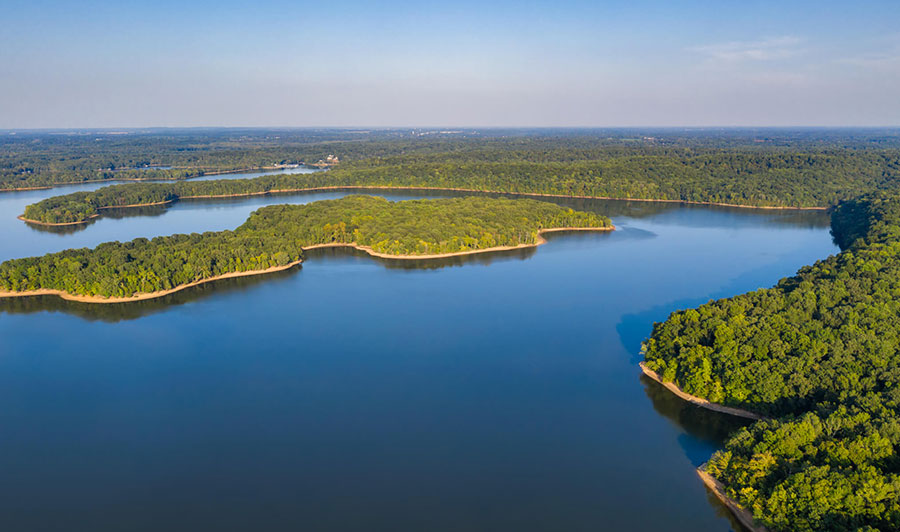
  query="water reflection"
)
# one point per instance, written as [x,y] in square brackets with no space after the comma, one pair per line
[424,264]
[114,214]
[116,312]
[482,259]
[699,425]
[703,425]
[722,511]
[632,329]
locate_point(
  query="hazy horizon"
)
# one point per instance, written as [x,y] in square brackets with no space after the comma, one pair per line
[346,64]
[455,128]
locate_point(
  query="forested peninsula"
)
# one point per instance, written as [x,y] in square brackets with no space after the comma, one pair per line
[821,351]
[274,238]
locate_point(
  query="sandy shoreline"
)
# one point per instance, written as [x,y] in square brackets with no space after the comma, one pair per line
[717,488]
[147,295]
[60,224]
[135,205]
[445,189]
[540,241]
[743,515]
[699,401]
[153,295]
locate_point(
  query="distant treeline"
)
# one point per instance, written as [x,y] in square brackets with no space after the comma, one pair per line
[34,159]
[744,167]
[741,178]
[275,235]
[822,350]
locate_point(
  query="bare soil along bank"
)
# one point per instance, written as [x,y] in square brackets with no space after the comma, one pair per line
[743,515]
[60,224]
[699,401]
[152,295]
[541,240]
[143,296]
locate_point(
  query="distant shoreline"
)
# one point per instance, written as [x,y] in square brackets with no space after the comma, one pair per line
[446,189]
[174,179]
[153,295]
[699,401]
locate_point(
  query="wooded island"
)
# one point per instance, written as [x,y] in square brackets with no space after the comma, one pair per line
[274,238]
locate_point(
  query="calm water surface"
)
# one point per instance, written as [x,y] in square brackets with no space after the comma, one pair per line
[485,393]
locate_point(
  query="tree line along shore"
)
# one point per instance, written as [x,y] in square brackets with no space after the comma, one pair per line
[789,172]
[819,353]
[791,168]
[274,238]
[62,208]
[657,181]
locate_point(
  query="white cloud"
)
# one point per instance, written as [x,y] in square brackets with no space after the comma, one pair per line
[884,56]
[886,63]
[768,49]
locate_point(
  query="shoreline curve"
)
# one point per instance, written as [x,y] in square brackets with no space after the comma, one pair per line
[742,514]
[540,241]
[144,295]
[160,293]
[699,401]
[56,224]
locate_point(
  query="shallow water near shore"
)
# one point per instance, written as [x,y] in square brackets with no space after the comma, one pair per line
[489,392]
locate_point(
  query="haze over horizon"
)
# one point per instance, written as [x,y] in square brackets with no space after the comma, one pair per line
[419,64]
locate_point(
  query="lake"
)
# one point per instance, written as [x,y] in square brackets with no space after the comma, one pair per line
[491,392]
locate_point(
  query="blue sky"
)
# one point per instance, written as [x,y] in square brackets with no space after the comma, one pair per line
[539,63]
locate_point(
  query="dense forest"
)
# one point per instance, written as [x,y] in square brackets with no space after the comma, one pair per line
[45,158]
[763,179]
[276,235]
[40,159]
[760,168]
[821,350]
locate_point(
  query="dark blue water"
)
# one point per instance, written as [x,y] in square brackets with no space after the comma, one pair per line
[485,393]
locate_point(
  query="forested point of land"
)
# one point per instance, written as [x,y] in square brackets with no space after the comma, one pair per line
[276,235]
[771,168]
[821,350]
